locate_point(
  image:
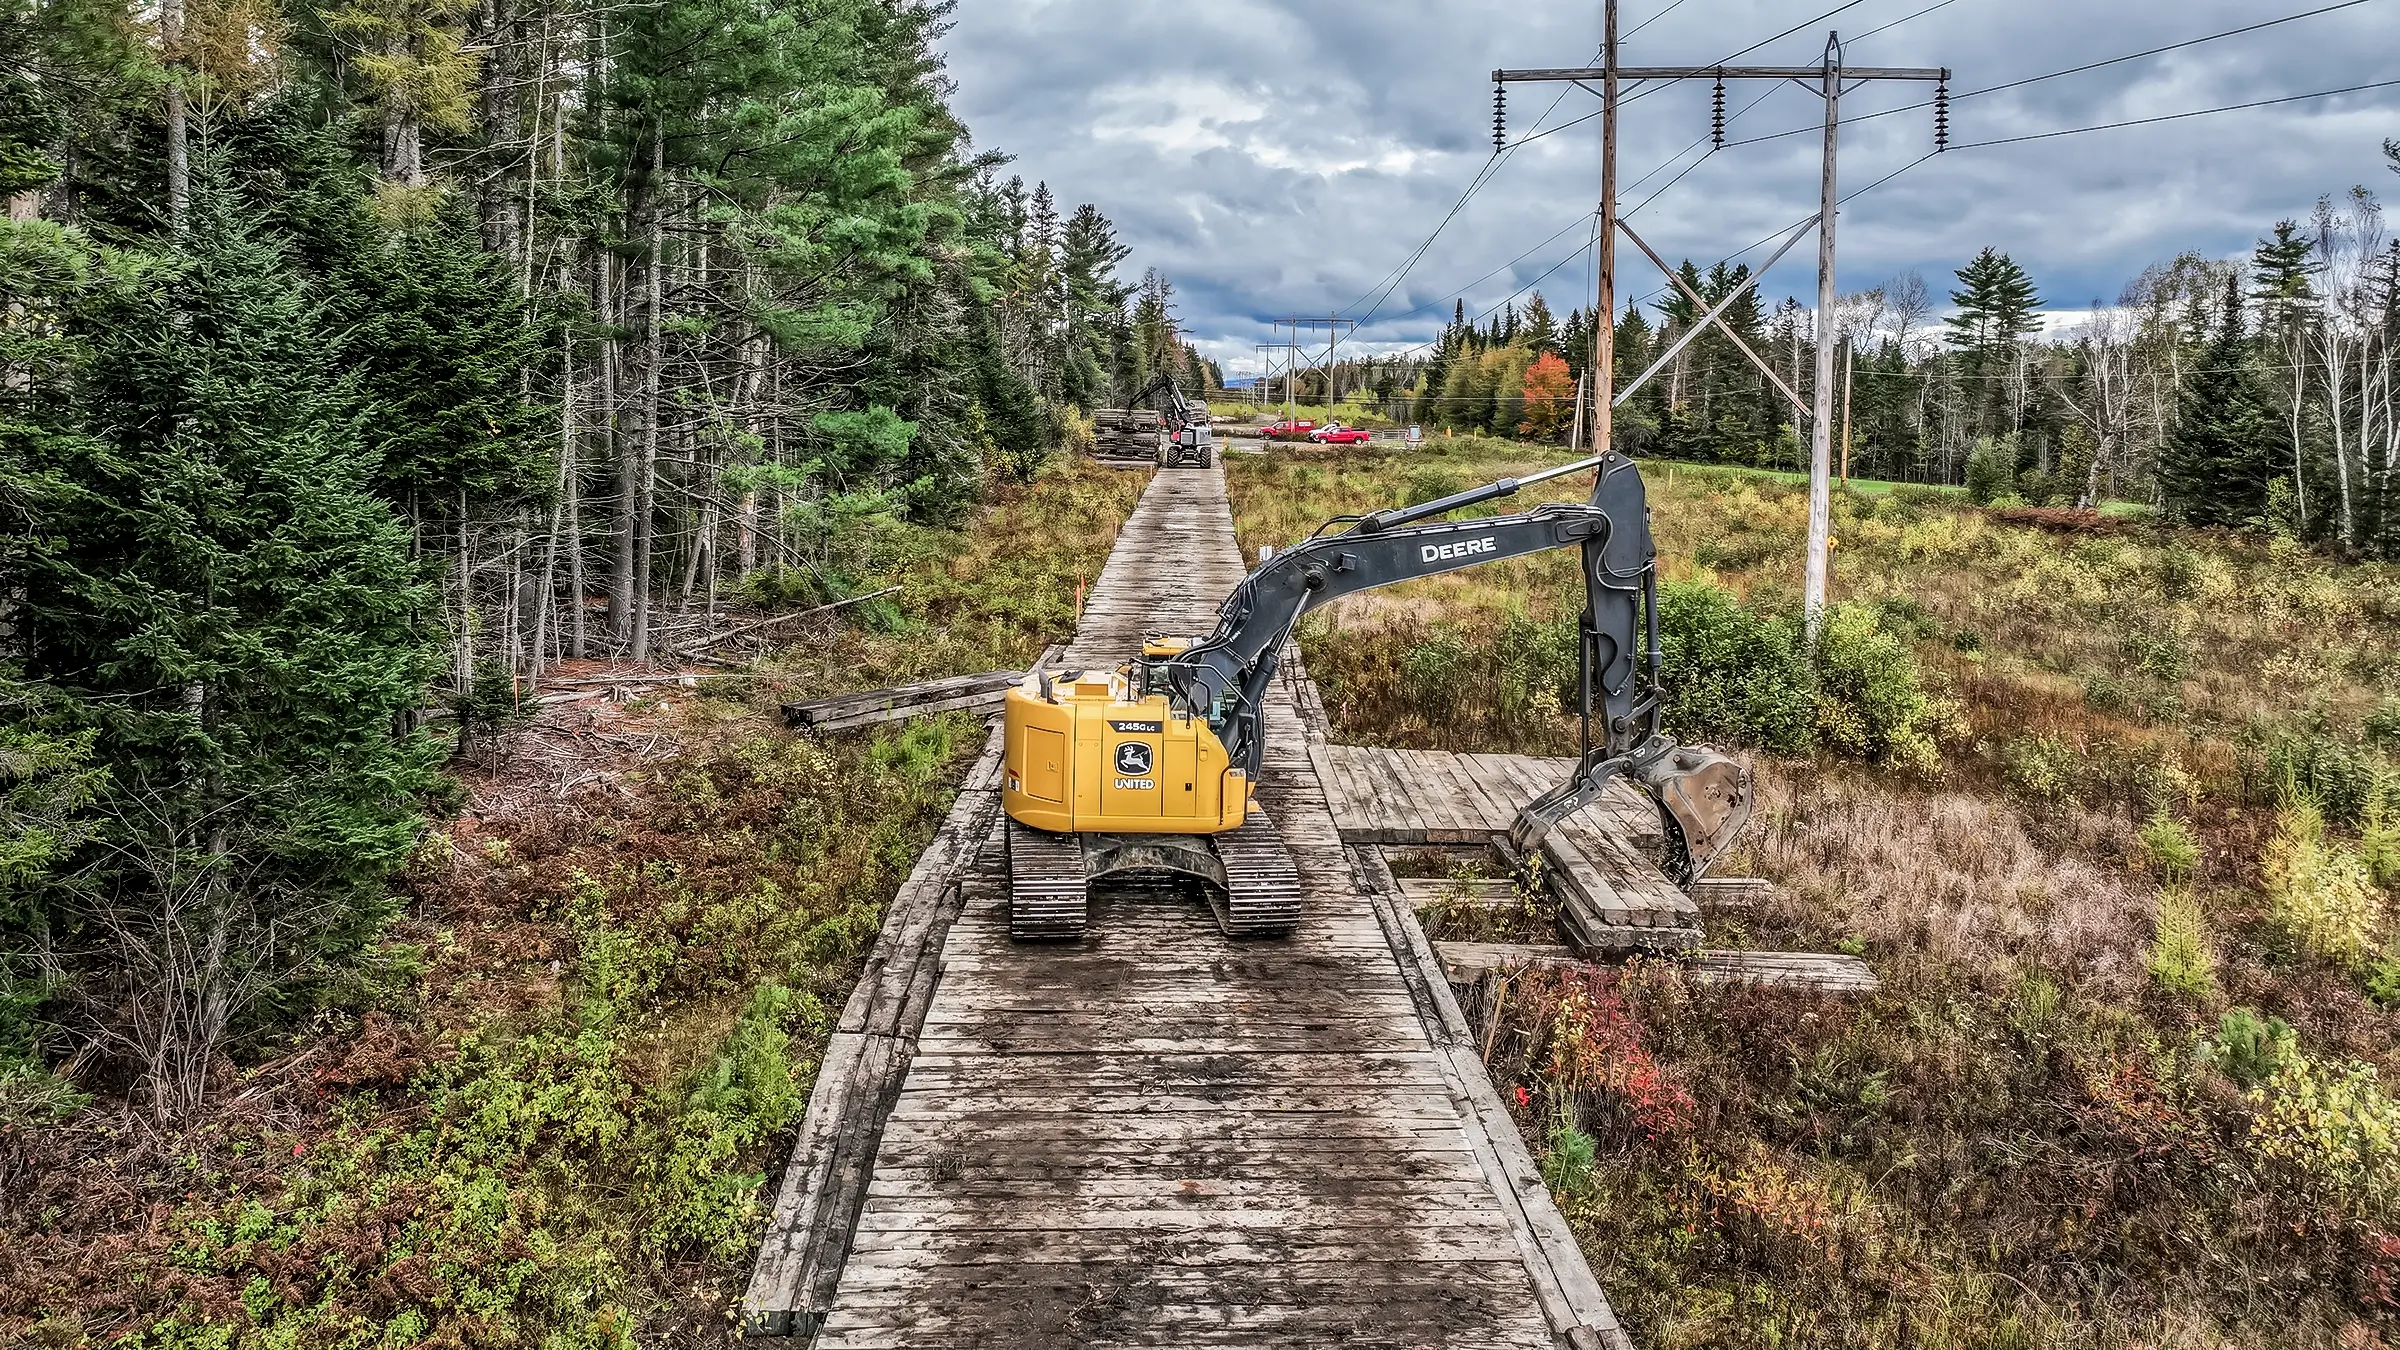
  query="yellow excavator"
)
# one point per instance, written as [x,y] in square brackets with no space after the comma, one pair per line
[1155,764]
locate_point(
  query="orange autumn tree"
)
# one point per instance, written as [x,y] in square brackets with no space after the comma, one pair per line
[1549,398]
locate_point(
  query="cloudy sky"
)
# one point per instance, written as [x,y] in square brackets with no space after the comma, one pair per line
[1288,156]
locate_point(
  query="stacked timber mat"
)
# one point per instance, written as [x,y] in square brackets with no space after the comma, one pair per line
[1125,433]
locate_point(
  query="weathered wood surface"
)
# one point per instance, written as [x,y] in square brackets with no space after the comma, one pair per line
[840,712]
[1611,896]
[1157,1136]
[817,1204]
[1464,963]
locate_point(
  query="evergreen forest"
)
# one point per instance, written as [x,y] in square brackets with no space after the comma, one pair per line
[2247,393]
[364,361]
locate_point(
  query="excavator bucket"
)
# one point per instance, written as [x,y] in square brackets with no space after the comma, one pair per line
[1706,797]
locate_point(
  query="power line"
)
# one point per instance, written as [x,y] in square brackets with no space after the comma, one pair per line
[1804,23]
[2175,117]
[2071,70]
[1649,21]
[1938,4]
[1383,291]
[1483,175]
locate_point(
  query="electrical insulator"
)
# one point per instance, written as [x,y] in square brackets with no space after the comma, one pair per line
[1499,117]
[1941,117]
[1716,116]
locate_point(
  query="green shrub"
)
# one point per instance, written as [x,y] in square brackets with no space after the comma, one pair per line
[2046,769]
[1966,640]
[1734,671]
[2383,980]
[1731,671]
[2180,959]
[1919,495]
[2336,1124]
[2379,833]
[1870,701]
[1429,484]
[2280,762]
[2171,850]
[1536,664]
[1991,470]
[1570,1161]
[2382,726]
[2109,695]
[1435,672]
[2320,891]
[2248,1048]
[2160,654]
[1903,617]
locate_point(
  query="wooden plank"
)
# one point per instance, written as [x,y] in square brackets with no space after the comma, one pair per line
[1824,971]
[1427,892]
[1732,892]
[849,707]
[1466,962]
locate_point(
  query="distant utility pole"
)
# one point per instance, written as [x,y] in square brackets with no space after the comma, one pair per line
[1333,326]
[1829,79]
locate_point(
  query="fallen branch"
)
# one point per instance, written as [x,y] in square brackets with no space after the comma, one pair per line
[730,634]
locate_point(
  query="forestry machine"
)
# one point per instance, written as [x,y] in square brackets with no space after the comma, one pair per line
[1155,765]
[1187,442]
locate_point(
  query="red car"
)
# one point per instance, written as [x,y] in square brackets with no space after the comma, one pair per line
[1288,431]
[1334,433]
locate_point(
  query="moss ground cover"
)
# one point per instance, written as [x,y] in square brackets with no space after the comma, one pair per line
[2108,809]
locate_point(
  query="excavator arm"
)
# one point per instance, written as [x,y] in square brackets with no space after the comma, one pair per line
[1703,798]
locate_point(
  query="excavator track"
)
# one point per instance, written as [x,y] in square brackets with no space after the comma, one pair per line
[1047,899]
[1262,896]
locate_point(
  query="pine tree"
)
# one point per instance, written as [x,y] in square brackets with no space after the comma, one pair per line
[1537,328]
[1997,306]
[222,599]
[2216,461]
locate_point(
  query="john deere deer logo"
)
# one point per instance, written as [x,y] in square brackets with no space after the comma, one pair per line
[1133,758]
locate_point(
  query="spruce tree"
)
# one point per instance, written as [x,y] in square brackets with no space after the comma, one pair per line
[2217,459]
[221,599]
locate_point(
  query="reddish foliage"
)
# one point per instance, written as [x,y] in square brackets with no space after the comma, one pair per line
[2061,519]
[1593,1041]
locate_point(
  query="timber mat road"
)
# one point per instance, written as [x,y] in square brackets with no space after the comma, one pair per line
[1156,1135]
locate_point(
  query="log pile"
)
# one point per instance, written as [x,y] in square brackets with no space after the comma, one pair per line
[1125,433]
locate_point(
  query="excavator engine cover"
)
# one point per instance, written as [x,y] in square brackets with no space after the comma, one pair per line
[1706,796]
[1087,753]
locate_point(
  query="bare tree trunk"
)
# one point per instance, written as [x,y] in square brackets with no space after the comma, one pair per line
[626,454]
[570,492]
[403,151]
[652,358]
[179,160]
[462,673]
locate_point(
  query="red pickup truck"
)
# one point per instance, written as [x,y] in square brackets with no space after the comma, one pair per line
[1334,433]
[1288,431]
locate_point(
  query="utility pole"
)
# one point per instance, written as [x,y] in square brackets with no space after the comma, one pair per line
[1333,324]
[1820,431]
[1604,302]
[1830,78]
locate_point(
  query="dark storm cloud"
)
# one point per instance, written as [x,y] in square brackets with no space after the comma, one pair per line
[1282,156]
